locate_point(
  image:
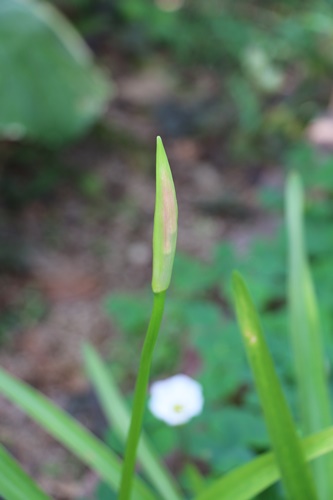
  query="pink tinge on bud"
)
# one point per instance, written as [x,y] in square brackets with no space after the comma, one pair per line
[165,222]
[169,213]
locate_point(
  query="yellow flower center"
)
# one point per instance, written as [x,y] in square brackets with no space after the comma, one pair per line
[178,408]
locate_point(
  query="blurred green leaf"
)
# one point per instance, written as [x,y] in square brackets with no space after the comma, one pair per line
[295,474]
[15,484]
[247,103]
[105,493]
[263,73]
[50,89]
[306,335]
[70,433]
[226,437]
[245,482]
[191,277]
[131,311]
[223,359]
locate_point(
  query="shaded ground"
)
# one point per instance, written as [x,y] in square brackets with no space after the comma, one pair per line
[94,237]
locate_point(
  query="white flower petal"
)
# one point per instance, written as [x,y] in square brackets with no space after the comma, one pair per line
[176,400]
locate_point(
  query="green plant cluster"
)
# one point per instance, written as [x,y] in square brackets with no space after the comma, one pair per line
[232,419]
[199,322]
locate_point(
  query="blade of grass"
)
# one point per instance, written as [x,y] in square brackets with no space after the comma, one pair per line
[306,335]
[118,416]
[15,484]
[140,396]
[295,473]
[69,432]
[247,481]
[195,480]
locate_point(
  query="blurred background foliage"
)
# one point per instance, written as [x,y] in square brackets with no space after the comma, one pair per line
[248,80]
[272,62]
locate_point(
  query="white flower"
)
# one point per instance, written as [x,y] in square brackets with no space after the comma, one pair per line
[176,399]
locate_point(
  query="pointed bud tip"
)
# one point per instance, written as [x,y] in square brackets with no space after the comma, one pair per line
[160,146]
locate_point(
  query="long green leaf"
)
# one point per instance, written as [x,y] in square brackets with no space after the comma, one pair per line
[118,416]
[15,484]
[247,481]
[306,336]
[295,473]
[69,432]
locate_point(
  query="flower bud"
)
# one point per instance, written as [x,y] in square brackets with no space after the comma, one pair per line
[165,222]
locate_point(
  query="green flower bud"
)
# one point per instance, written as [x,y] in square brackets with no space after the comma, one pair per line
[165,222]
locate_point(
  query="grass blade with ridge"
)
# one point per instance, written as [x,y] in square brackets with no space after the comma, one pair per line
[70,433]
[15,484]
[306,336]
[295,473]
[248,480]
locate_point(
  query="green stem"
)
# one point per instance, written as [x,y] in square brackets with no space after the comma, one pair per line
[140,397]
